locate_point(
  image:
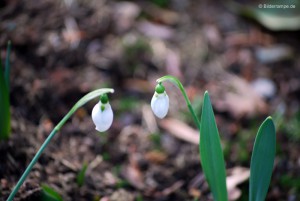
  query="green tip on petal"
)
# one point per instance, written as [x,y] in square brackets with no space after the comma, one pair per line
[102,108]
[159,88]
[104,99]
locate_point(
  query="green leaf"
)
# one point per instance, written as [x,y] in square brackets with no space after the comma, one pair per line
[139,197]
[211,152]
[161,3]
[7,64]
[49,194]
[262,161]
[4,107]
[81,175]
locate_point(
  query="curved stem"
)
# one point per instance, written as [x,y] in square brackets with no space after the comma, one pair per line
[177,83]
[81,102]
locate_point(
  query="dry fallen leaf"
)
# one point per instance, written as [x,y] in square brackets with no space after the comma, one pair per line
[156,156]
[180,130]
[234,194]
[173,63]
[121,195]
[195,193]
[177,185]
[109,178]
[155,30]
[124,14]
[237,175]
[71,34]
[149,118]
[159,14]
[134,176]
[138,85]
[239,99]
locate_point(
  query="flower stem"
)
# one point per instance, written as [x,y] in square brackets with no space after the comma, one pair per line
[177,83]
[81,102]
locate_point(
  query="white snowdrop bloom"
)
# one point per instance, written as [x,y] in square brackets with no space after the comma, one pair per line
[102,116]
[160,104]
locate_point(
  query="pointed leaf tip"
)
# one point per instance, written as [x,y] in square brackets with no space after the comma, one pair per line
[262,160]
[211,151]
[268,120]
[206,96]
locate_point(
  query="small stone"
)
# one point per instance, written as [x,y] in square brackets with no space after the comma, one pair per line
[121,195]
[274,53]
[264,87]
[4,184]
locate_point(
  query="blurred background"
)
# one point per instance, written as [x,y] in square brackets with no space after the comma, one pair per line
[246,54]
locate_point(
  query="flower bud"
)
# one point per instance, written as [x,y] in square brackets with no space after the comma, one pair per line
[102,116]
[160,104]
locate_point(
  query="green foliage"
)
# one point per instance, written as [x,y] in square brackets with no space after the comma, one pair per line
[122,184]
[4,108]
[290,126]
[212,155]
[156,140]
[88,97]
[106,156]
[237,147]
[262,161]
[135,50]
[49,194]
[211,152]
[196,105]
[7,64]
[81,175]
[127,103]
[4,97]
[290,182]
[139,197]
[116,170]
[161,3]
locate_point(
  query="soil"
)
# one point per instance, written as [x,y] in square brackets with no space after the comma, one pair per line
[61,50]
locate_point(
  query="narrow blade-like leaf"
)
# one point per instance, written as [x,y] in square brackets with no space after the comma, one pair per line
[211,152]
[7,64]
[81,175]
[49,194]
[4,107]
[262,161]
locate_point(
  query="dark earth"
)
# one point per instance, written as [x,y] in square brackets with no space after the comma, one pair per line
[62,50]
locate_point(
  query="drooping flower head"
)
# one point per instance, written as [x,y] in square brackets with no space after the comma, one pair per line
[102,114]
[160,101]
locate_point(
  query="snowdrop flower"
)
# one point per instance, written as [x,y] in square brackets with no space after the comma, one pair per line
[160,101]
[102,114]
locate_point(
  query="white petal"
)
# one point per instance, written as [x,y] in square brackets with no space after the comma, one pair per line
[160,104]
[102,119]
